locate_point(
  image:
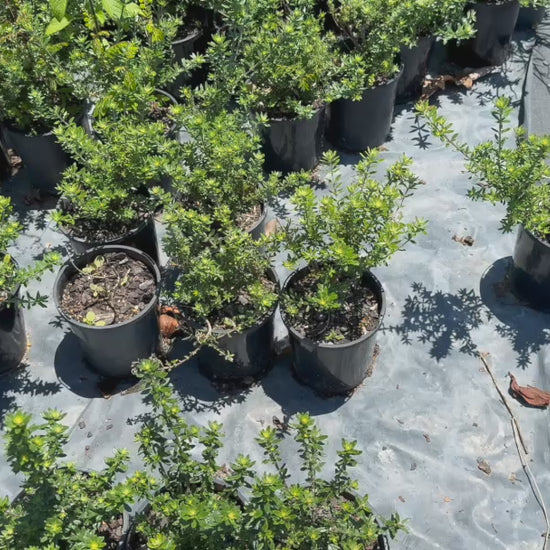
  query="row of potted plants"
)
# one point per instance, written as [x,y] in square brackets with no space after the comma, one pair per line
[184,499]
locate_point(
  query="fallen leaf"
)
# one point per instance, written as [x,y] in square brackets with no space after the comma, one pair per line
[168,325]
[447,499]
[483,466]
[427,438]
[468,240]
[531,395]
[401,498]
[272,227]
[465,79]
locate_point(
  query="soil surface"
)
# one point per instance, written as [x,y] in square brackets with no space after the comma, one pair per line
[112,532]
[159,111]
[247,220]
[357,316]
[112,293]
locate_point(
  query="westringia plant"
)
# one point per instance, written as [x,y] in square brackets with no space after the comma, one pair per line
[59,507]
[508,171]
[223,163]
[347,232]
[221,275]
[193,510]
[11,275]
[107,190]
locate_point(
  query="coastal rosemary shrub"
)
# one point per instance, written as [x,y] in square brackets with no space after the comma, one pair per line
[253,507]
[107,191]
[510,169]
[59,507]
[11,275]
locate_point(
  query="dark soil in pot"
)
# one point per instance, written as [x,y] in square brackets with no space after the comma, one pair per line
[358,125]
[291,145]
[531,273]
[13,338]
[254,221]
[495,23]
[332,353]
[252,348]
[415,66]
[108,296]
[42,155]
[530,18]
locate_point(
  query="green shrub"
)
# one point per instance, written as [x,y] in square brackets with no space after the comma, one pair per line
[512,172]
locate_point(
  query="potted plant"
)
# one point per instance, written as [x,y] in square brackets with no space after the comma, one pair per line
[515,176]
[107,194]
[531,13]
[109,295]
[60,506]
[494,25]
[13,338]
[224,175]
[248,509]
[226,291]
[278,67]
[334,305]
[367,72]
[35,89]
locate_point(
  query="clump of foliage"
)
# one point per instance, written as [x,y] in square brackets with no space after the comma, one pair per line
[59,506]
[107,191]
[346,233]
[275,60]
[223,162]
[221,274]
[11,275]
[510,169]
[194,510]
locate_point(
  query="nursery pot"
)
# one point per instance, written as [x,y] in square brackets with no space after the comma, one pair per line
[252,350]
[143,237]
[111,350]
[13,338]
[258,228]
[193,42]
[332,369]
[42,155]
[494,26]
[530,17]
[290,145]
[531,273]
[415,65]
[358,125]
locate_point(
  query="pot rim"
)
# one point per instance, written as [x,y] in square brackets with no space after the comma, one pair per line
[318,111]
[259,221]
[192,34]
[392,80]
[96,251]
[378,286]
[533,236]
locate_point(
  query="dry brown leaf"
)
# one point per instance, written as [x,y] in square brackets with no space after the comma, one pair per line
[531,395]
[272,227]
[465,79]
[447,499]
[168,325]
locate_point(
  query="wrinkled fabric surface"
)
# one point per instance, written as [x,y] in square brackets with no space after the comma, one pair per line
[427,419]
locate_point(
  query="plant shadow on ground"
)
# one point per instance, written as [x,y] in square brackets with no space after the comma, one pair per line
[441,319]
[20,382]
[527,329]
[73,372]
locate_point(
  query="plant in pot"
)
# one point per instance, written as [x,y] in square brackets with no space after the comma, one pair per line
[280,70]
[247,509]
[13,338]
[35,89]
[224,175]
[366,76]
[531,13]
[225,290]
[109,295]
[109,193]
[494,25]
[60,506]
[422,23]
[334,306]
[515,175]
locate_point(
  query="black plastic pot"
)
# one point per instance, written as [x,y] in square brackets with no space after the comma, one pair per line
[111,350]
[531,273]
[42,155]
[530,18]
[358,125]
[332,369]
[13,338]
[494,26]
[252,350]
[143,237]
[415,66]
[290,145]
[258,229]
